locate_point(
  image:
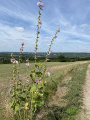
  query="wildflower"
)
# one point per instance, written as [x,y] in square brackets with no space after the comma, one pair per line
[39,81]
[48,73]
[27,81]
[40,22]
[38,3]
[12,60]
[20,76]
[36,81]
[16,61]
[41,5]
[27,64]
[15,78]
[22,44]
[55,36]
[27,60]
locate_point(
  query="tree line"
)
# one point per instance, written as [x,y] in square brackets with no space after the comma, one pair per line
[5,59]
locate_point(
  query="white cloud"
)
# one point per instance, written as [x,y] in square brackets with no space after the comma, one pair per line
[21,29]
[84,25]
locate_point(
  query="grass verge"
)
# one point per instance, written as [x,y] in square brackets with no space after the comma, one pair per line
[74,96]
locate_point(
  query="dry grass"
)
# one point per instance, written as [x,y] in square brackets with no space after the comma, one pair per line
[57,99]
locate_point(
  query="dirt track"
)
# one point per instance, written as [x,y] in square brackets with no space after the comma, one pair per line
[85,114]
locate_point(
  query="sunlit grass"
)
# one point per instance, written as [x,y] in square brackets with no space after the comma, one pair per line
[54,80]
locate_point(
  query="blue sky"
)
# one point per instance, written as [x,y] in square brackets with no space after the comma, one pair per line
[18,20]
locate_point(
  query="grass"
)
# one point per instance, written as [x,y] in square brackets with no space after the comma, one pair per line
[73,96]
[6,69]
[69,111]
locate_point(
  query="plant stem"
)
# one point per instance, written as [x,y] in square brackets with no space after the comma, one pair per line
[38,32]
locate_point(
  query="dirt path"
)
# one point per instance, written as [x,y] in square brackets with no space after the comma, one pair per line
[85,114]
[63,66]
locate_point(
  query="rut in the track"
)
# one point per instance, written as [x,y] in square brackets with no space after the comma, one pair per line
[85,114]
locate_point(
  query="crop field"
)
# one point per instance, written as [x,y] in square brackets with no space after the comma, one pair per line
[63,93]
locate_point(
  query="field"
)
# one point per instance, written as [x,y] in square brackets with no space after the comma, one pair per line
[63,93]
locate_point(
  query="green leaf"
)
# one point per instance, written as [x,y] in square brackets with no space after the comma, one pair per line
[39,74]
[16,108]
[26,104]
[41,103]
[13,104]
[33,101]
[33,88]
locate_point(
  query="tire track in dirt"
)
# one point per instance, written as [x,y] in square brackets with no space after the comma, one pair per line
[85,113]
[63,66]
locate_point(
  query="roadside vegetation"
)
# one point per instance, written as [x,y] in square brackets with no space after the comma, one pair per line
[60,105]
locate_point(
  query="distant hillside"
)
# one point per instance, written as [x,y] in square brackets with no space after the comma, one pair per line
[42,54]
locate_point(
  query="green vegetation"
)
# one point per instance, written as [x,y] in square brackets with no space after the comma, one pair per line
[53,57]
[73,96]
[58,71]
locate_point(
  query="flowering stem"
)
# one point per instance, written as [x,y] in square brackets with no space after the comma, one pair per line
[48,53]
[38,32]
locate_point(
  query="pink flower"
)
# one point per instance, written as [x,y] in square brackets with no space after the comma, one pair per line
[16,61]
[48,73]
[59,30]
[20,76]
[41,5]
[27,64]
[36,81]
[39,81]
[15,78]
[22,44]
[55,36]
[38,3]
[40,22]
[13,60]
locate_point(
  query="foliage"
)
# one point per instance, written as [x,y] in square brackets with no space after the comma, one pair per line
[74,97]
[53,57]
[28,96]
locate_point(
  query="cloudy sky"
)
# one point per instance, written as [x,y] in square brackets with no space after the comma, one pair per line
[18,20]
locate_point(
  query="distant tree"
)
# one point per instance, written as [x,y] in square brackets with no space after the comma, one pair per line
[62,58]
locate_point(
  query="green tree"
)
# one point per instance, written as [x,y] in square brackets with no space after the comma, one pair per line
[62,58]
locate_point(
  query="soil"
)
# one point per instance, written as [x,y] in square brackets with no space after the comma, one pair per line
[85,114]
[60,93]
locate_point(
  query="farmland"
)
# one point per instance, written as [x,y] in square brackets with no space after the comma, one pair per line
[63,92]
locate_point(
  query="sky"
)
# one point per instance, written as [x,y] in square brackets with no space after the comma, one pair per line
[18,23]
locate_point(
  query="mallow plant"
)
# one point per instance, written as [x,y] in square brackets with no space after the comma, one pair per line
[28,96]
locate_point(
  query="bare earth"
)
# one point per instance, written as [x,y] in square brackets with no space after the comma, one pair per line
[85,114]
